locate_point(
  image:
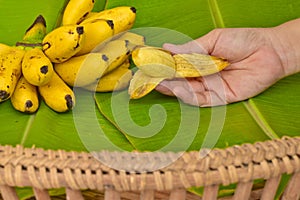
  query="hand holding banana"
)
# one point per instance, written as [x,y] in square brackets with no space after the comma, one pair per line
[70,56]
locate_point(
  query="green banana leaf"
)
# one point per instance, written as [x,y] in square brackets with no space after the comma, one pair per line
[155,122]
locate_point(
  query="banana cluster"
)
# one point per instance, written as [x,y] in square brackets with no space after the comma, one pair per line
[48,65]
[90,50]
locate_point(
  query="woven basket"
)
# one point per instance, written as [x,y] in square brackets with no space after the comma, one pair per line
[85,177]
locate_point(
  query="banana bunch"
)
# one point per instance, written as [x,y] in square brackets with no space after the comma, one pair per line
[156,64]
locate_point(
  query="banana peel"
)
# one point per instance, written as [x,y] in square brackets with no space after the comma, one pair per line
[156,64]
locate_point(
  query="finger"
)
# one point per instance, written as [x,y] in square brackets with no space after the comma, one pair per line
[189,47]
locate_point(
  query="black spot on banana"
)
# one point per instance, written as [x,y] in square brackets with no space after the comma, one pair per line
[57,94]
[63,42]
[36,67]
[156,64]
[123,17]
[96,31]
[25,97]
[76,11]
[10,71]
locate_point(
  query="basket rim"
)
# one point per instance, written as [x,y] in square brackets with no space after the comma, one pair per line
[47,169]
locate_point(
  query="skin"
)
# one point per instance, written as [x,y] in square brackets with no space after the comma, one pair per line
[259,57]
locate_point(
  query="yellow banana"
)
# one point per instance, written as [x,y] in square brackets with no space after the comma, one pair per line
[134,38]
[195,65]
[82,70]
[154,62]
[142,84]
[96,32]
[117,51]
[36,67]
[76,11]
[117,79]
[63,42]
[25,97]
[123,17]
[10,72]
[57,94]
[4,48]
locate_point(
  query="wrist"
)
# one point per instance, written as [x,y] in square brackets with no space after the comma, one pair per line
[285,40]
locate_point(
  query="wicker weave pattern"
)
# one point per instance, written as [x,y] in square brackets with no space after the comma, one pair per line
[77,171]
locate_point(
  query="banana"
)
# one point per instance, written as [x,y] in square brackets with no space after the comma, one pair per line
[142,84]
[117,79]
[117,51]
[76,11]
[82,70]
[87,69]
[154,62]
[36,67]
[10,72]
[195,65]
[96,32]
[123,17]
[134,38]
[63,42]
[25,97]
[57,94]
[4,48]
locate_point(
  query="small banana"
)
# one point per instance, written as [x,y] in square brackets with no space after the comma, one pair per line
[117,79]
[57,94]
[195,65]
[63,42]
[10,71]
[87,69]
[134,38]
[123,17]
[36,67]
[4,48]
[25,97]
[117,51]
[156,64]
[82,70]
[76,11]
[142,84]
[96,32]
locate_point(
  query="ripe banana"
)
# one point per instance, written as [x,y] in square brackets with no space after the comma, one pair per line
[63,42]
[4,48]
[117,51]
[76,11]
[156,64]
[134,38]
[142,84]
[25,97]
[82,70]
[123,17]
[36,67]
[57,94]
[117,79]
[96,32]
[87,69]
[10,71]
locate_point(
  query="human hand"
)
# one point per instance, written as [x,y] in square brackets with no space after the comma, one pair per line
[255,66]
